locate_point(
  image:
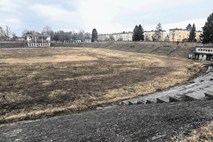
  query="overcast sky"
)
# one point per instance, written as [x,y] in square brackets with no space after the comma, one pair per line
[107,16]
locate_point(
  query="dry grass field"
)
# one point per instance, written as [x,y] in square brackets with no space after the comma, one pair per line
[49,81]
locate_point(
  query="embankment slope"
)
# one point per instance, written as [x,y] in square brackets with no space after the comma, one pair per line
[159,48]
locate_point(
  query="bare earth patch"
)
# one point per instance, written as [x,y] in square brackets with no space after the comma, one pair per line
[48,81]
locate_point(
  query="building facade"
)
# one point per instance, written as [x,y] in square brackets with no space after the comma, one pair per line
[148,35]
[178,35]
[35,39]
[182,35]
[175,35]
[103,37]
[202,53]
[198,34]
[125,36]
[151,35]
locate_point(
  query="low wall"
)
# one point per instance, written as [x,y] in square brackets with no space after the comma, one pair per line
[38,44]
[70,44]
[12,44]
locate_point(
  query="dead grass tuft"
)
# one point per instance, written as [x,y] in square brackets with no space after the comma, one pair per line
[203,134]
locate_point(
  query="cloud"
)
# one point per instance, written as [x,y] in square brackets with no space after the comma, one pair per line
[199,23]
[116,16]
[56,16]
[10,14]
[106,16]
[51,12]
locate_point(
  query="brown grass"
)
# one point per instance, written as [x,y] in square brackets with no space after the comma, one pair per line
[203,134]
[48,81]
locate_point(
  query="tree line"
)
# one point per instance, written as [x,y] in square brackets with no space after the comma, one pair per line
[138,33]
[62,36]
[7,34]
[206,36]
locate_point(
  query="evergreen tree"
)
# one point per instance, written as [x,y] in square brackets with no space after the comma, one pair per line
[207,36]
[189,27]
[192,34]
[94,35]
[135,34]
[138,33]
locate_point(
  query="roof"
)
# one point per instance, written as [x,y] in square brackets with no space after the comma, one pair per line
[33,33]
[155,31]
[177,29]
[204,46]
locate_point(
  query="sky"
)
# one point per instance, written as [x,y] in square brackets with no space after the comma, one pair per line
[107,16]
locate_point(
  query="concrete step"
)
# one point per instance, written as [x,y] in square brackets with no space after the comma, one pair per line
[124,103]
[174,99]
[137,101]
[191,85]
[162,100]
[197,95]
[151,101]
[193,96]
[209,95]
[210,69]
[188,98]
[141,102]
[133,102]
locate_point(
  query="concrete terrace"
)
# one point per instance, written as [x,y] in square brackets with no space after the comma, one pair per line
[200,88]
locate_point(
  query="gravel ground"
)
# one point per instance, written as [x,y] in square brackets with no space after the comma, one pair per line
[144,122]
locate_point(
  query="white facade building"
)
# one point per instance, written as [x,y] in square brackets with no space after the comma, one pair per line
[202,53]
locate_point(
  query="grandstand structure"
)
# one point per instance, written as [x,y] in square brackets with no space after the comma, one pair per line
[202,53]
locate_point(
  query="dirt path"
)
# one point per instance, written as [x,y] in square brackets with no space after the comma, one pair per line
[154,122]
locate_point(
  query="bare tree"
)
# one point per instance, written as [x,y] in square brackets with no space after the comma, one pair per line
[8,32]
[157,36]
[47,31]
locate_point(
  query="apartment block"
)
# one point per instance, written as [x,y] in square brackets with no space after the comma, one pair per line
[151,35]
[182,35]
